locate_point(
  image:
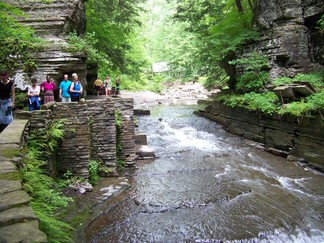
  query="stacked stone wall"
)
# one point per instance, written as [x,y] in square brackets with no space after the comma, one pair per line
[125,106]
[101,117]
[89,134]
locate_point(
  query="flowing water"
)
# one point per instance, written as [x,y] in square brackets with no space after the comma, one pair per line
[210,186]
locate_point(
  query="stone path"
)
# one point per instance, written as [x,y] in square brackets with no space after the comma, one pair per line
[18,222]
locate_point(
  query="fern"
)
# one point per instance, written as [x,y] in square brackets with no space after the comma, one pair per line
[46,198]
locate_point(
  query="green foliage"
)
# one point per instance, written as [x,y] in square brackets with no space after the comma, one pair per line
[264,102]
[221,30]
[86,44]
[20,99]
[306,106]
[268,103]
[254,76]
[44,191]
[114,24]
[119,146]
[317,100]
[16,41]
[93,172]
[320,22]
[315,79]
[296,108]
[168,40]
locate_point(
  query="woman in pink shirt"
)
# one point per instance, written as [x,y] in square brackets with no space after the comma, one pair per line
[48,87]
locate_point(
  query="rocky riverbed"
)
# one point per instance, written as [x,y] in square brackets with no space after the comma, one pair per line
[177,93]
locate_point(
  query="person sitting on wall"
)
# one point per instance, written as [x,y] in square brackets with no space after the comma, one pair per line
[65,89]
[33,94]
[76,88]
[7,100]
[48,87]
[98,84]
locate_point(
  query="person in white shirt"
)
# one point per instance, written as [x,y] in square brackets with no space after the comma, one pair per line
[33,94]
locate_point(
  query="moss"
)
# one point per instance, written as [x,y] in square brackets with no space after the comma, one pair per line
[11,152]
[11,176]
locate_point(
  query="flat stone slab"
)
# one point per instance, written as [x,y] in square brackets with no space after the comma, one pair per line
[13,132]
[7,167]
[9,151]
[11,199]
[9,186]
[22,232]
[144,152]
[17,215]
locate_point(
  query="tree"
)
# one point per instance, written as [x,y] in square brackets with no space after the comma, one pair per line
[222,28]
[168,40]
[114,23]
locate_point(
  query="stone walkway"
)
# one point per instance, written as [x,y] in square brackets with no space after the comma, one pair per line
[18,222]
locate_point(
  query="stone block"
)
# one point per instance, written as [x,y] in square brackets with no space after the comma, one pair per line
[22,232]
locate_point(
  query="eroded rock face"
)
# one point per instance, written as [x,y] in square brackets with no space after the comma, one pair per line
[289,36]
[53,22]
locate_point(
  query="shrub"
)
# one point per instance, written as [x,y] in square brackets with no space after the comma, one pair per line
[93,172]
[254,76]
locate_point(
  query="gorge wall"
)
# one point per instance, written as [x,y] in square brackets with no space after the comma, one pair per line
[290,37]
[53,21]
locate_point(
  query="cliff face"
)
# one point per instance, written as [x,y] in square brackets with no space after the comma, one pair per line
[289,36]
[53,22]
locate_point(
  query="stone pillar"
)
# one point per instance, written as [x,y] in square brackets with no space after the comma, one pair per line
[126,108]
[101,116]
[74,152]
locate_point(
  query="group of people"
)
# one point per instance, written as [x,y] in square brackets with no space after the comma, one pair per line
[68,91]
[107,85]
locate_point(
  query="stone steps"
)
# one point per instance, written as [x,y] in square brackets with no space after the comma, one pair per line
[18,222]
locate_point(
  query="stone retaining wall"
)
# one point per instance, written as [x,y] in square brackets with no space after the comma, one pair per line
[90,134]
[301,139]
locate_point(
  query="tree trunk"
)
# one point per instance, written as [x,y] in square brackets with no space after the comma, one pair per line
[250,3]
[239,6]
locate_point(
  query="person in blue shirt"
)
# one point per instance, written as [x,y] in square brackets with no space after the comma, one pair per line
[76,88]
[65,89]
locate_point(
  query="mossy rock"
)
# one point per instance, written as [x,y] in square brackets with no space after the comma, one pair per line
[105,171]
[10,152]
[10,176]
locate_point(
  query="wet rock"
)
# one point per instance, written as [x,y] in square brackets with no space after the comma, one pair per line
[141,139]
[142,112]
[81,187]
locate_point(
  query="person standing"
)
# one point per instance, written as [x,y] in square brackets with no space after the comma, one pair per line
[33,94]
[7,100]
[48,88]
[76,88]
[118,86]
[98,84]
[108,85]
[65,89]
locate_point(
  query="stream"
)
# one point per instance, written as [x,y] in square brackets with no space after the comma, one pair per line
[210,186]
